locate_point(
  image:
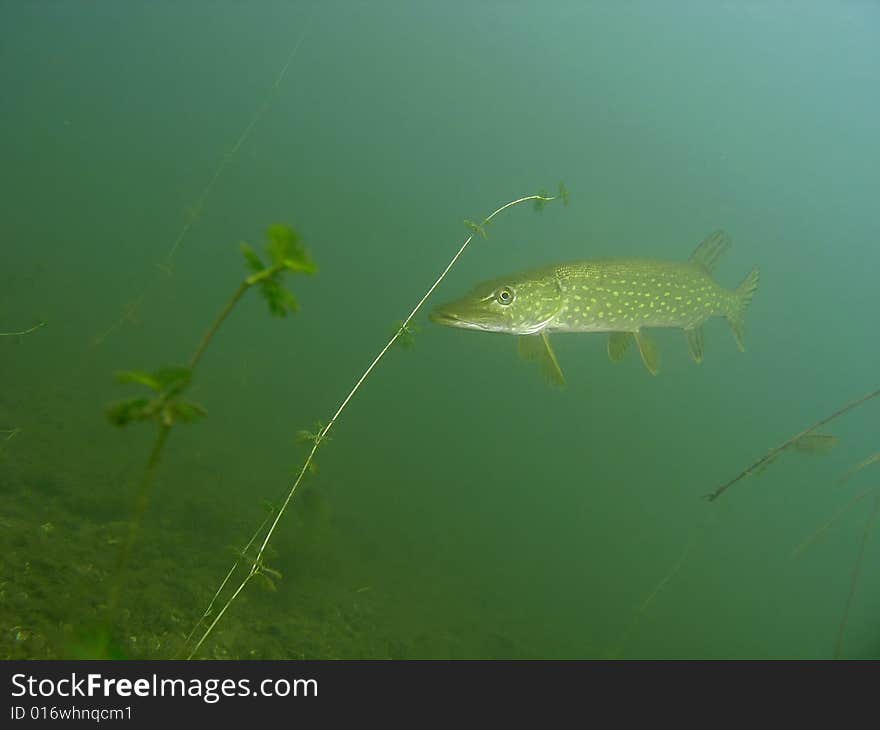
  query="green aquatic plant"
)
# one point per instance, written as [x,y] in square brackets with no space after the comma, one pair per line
[856,574]
[407,332]
[805,441]
[866,534]
[164,404]
[252,563]
[811,442]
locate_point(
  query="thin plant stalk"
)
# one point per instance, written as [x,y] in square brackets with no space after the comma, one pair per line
[167,265]
[23,332]
[857,569]
[142,500]
[225,580]
[143,494]
[242,138]
[209,335]
[257,562]
[646,604]
[773,453]
[818,534]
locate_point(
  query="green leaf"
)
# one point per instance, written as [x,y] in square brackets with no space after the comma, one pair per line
[314,435]
[541,201]
[267,582]
[124,412]
[280,300]
[184,411]
[476,228]
[407,337]
[286,250]
[252,259]
[563,193]
[140,377]
[173,379]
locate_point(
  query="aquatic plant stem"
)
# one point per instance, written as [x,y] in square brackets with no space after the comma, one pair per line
[242,138]
[209,335]
[773,453]
[857,569]
[322,434]
[646,604]
[230,305]
[167,265]
[24,332]
[817,535]
[142,500]
[143,493]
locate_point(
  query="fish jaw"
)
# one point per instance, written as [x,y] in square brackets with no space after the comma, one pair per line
[517,305]
[449,318]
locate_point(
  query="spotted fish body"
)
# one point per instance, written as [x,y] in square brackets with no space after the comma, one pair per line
[622,297]
[626,295]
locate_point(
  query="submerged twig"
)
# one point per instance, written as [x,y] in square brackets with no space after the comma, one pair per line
[256,564]
[773,453]
[855,577]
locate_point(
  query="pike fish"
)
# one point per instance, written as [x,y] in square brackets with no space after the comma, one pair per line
[622,297]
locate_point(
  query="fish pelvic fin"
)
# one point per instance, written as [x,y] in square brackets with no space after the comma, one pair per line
[537,348]
[742,297]
[618,344]
[695,343]
[710,250]
[649,352]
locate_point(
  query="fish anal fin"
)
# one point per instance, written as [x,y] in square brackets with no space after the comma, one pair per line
[537,348]
[618,344]
[695,343]
[649,352]
[742,297]
[710,250]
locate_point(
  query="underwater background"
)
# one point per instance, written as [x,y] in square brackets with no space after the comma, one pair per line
[464,508]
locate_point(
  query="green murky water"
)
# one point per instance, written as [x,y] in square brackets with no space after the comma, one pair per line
[462,508]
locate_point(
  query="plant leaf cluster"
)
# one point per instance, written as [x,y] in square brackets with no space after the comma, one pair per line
[286,253]
[545,197]
[164,405]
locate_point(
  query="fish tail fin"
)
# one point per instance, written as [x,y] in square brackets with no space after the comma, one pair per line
[742,297]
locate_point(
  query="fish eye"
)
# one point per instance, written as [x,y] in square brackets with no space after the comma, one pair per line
[504,295]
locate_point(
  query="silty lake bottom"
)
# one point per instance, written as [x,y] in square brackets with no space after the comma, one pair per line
[460,507]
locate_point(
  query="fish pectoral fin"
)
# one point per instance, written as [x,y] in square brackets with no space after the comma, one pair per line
[538,349]
[710,250]
[695,343]
[649,352]
[618,344]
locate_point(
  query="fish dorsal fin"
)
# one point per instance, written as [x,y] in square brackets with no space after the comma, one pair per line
[710,250]
[538,349]
[649,352]
[695,343]
[618,344]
